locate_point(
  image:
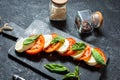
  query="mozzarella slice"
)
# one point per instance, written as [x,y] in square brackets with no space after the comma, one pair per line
[91,61]
[19,47]
[78,54]
[48,39]
[64,47]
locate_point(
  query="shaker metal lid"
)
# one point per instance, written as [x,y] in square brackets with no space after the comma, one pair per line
[60,2]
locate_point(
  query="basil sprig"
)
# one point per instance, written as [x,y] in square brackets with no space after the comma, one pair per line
[58,39]
[98,57]
[74,74]
[79,46]
[30,39]
[57,68]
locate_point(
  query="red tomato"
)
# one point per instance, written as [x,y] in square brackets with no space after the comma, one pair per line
[103,56]
[53,47]
[71,41]
[54,35]
[69,51]
[38,46]
[87,54]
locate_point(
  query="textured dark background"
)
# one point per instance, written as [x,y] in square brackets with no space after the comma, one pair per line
[23,12]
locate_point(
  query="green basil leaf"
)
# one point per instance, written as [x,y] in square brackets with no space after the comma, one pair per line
[77,72]
[58,39]
[69,75]
[98,57]
[34,37]
[30,39]
[58,68]
[79,46]
[74,74]
[27,41]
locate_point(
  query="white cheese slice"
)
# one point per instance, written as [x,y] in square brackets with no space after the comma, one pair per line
[64,47]
[91,61]
[78,54]
[19,47]
[48,39]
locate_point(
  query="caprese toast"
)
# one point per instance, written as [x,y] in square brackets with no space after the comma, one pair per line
[49,43]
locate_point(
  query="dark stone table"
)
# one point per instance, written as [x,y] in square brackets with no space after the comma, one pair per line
[23,12]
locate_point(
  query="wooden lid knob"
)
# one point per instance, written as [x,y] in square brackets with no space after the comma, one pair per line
[100,18]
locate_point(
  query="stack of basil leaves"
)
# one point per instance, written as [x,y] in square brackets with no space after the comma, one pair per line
[58,68]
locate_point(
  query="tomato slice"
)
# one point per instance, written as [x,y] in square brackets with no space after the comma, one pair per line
[71,41]
[53,47]
[87,54]
[54,35]
[69,51]
[38,46]
[103,56]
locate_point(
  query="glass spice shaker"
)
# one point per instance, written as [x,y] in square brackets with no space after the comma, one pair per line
[58,10]
[86,21]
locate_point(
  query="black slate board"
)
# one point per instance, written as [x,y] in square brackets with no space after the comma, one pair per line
[37,62]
